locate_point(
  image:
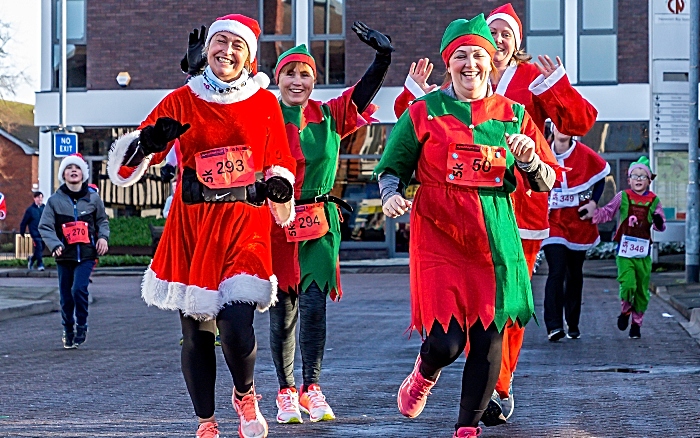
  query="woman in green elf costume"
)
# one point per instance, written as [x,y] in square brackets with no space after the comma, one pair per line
[469,277]
[305,255]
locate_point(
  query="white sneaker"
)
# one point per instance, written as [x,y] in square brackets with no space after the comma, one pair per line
[288,406]
[253,424]
[313,402]
[508,404]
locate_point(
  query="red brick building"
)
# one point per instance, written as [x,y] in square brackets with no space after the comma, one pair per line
[19,176]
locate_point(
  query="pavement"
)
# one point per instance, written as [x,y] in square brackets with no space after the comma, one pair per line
[126,380]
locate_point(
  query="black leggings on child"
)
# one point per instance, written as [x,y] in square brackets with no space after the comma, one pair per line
[481,369]
[235,322]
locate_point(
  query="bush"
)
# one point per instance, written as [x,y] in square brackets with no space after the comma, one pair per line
[7,247]
[132,231]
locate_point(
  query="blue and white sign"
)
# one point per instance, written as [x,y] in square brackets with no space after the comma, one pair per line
[64,144]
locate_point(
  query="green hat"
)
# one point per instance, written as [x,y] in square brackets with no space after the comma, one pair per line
[474,32]
[641,163]
[296,54]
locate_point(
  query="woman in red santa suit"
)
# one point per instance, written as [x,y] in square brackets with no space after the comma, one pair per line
[545,91]
[572,203]
[213,263]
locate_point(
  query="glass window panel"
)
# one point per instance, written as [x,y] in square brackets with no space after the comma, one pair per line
[330,61]
[76,68]
[605,137]
[268,53]
[598,14]
[544,15]
[545,45]
[597,58]
[671,184]
[277,17]
[328,17]
[75,19]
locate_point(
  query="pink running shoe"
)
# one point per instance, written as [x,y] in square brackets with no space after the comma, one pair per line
[467,432]
[413,393]
[313,402]
[208,430]
[288,406]
[253,424]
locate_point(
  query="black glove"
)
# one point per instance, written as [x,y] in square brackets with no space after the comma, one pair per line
[658,221]
[194,61]
[257,193]
[155,139]
[375,39]
[167,173]
[279,190]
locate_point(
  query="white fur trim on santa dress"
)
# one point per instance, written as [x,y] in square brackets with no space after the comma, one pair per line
[117,153]
[204,304]
[202,90]
[284,213]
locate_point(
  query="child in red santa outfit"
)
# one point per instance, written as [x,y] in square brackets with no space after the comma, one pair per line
[213,263]
[571,206]
[640,210]
[545,91]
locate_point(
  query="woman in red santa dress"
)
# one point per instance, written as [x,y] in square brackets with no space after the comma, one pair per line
[572,203]
[213,263]
[545,91]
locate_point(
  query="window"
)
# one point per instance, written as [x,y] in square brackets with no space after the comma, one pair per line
[278,33]
[75,43]
[327,40]
[597,41]
[545,28]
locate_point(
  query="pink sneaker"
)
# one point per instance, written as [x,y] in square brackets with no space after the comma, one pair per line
[208,430]
[253,424]
[467,432]
[313,402]
[413,393]
[288,406]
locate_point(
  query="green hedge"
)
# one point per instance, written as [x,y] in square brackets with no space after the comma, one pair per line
[132,231]
[105,261]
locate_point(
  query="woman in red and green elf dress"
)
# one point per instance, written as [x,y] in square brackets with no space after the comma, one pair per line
[545,91]
[305,256]
[469,276]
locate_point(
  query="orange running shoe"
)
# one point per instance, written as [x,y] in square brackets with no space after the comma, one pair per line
[208,430]
[253,424]
[313,402]
[414,391]
[288,406]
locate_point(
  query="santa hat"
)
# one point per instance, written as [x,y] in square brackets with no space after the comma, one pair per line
[641,163]
[462,32]
[296,54]
[249,30]
[76,159]
[507,14]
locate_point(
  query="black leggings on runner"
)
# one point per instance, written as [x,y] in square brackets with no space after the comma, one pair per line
[235,322]
[481,369]
[310,307]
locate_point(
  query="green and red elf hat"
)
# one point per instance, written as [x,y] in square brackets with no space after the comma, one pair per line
[296,54]
[462,32]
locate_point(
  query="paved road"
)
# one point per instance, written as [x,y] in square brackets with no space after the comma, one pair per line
[126,382]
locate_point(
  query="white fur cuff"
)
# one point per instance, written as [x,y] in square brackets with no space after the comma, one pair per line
[117,153]
[542,84]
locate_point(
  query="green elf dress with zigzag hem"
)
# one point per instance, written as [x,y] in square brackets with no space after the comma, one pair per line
[466,260]
[314,133]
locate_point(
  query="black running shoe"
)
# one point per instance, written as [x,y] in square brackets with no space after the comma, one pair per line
[80,335]
[555,335]
[68,340]
[573,334]
[493,415]
[623,321]
[635,331]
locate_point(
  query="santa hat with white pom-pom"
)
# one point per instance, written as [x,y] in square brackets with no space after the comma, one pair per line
[248,29]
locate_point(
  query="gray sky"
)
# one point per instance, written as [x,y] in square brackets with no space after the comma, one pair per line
[24,17]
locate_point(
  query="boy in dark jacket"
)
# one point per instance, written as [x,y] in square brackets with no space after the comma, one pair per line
[31,219]
[75,226]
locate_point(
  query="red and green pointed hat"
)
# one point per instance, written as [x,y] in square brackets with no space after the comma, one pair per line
[296,54]
[462,32]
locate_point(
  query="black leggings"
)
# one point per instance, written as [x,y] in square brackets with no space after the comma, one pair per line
[310,308]
[564,288]
[235,322]
[481,369]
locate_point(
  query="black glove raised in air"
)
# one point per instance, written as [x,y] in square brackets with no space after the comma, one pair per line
[194,61]
[375,39]
[155,138]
